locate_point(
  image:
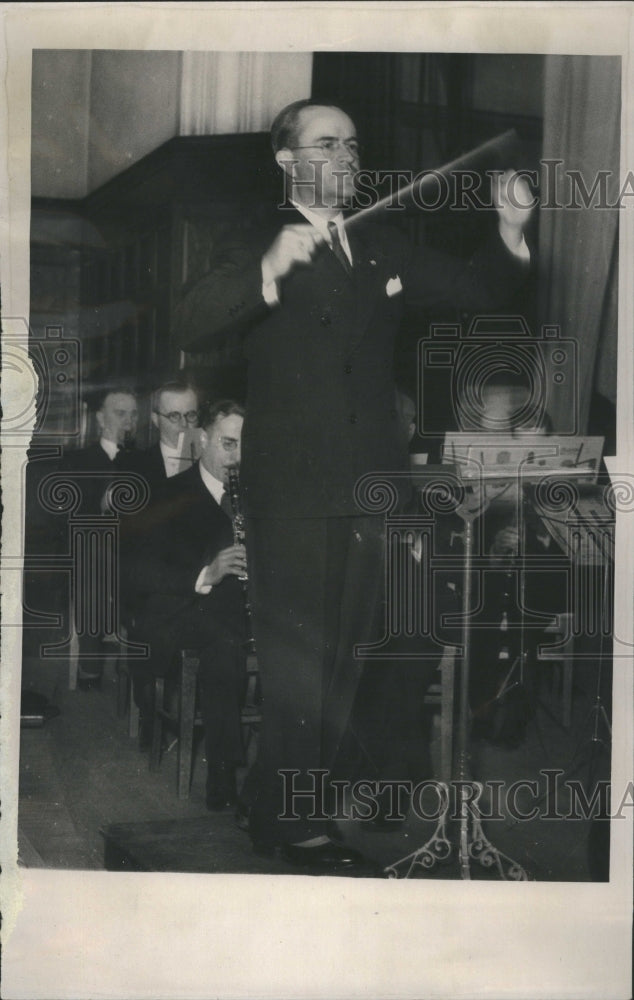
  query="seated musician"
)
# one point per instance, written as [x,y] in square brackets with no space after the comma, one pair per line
[99,465]
[175,416]
[501,695]
[185,573]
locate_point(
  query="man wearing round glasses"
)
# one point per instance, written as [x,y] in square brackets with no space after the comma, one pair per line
[174,414]
[319,304]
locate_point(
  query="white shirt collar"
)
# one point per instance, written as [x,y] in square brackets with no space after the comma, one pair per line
[168,451]
[110,447]
[321,225]
[215,486]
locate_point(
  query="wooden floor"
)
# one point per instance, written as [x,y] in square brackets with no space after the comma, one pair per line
[81,775]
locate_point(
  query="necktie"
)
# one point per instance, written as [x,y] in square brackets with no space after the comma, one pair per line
[225,504]
[337,249]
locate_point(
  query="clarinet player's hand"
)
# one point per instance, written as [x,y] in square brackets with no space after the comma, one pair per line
[228,562]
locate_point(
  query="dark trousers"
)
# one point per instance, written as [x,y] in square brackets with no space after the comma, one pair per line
[222,686]
[222,691]
[316,588]
[389,730]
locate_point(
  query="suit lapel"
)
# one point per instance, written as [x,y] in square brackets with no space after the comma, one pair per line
[213,520]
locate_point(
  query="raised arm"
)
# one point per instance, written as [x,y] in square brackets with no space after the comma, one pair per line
[242,285]
[228,298]
[494,272]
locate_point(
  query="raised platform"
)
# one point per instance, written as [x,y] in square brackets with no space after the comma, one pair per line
[211,845]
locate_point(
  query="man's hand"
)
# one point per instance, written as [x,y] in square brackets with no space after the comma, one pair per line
[228,562]
[293,245]
[514,202]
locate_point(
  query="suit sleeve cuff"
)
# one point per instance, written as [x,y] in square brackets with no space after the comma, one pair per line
[270,292]
[199,586]
[520,250]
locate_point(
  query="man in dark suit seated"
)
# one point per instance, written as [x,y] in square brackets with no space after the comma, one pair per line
[113,454]
[185,570]
[507,632]
[175,415]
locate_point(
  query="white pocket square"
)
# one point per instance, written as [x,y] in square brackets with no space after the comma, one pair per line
[393,287]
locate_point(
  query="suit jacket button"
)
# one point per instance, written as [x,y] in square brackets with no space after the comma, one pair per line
[348,369]
[325,320]
[353,418]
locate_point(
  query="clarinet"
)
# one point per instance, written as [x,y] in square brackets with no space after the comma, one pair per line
[239,538]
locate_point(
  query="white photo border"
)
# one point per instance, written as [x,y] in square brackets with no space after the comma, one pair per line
[87,934]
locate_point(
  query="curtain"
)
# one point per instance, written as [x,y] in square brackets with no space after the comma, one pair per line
[578,248]
[224,92]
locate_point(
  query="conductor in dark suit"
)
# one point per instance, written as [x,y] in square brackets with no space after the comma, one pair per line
[320,305]
[184,573]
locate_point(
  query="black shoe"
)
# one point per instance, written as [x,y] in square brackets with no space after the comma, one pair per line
[328,856]
[90,683]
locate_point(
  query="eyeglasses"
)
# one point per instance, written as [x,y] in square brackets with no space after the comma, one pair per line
[330,146]
[229,444]
[191,417]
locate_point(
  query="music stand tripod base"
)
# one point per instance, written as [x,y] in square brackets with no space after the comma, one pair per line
[473,845]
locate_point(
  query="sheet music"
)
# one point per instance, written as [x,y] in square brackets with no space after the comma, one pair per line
[585,532]
[529,455]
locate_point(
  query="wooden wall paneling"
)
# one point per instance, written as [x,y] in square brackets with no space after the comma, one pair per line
[110,267]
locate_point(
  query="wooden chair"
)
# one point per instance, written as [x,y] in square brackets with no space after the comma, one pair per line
[125,696]
[186,718]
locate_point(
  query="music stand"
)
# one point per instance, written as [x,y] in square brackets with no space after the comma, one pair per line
[473,845]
